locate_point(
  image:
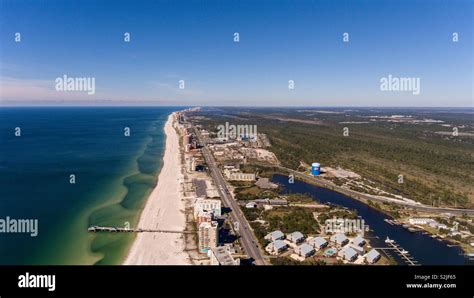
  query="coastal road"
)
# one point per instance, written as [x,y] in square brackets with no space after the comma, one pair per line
[247,238]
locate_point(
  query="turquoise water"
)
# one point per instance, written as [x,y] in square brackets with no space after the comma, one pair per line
[114,175]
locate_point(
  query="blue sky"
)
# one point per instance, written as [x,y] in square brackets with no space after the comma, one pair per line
[279,41]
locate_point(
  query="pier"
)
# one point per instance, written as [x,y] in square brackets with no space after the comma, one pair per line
[95,229]
[405,255]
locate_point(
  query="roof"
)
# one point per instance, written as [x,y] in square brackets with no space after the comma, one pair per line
[305,248]
[279,244]
[223,256]
[357,248]
[348,252]
[319,241]
[339,238]
[372,255]
[275,235]
[358,241]
[295,236]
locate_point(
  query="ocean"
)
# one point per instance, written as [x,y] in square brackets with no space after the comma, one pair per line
[113,176]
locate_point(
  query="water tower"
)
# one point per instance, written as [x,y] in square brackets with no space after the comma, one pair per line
[315,169]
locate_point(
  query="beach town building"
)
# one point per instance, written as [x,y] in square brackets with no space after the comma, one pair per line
[339,239]
[372,256]
[296,237]
[421,221]
[221,256]
[203,216]
[276,247]
[359,241]
[359,249]
[437,225]
[275,235]
[208,236]
[265,183]
[211,205]
[348,254]
[186,139]
[251,205]
[304,250]
[318,243]
[236,175]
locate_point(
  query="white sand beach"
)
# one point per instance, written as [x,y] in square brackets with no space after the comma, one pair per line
[164,209]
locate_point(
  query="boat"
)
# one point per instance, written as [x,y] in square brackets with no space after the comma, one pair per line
[388,240]
[404,251]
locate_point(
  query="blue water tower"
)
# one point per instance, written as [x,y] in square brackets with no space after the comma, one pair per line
[315,169]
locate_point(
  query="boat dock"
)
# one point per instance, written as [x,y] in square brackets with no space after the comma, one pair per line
[405,255]
[95,229]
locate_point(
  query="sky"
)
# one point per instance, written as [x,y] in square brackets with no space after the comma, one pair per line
[280,41]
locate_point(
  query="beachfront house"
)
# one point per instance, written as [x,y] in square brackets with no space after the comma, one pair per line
[359,241]
[304,250]
[276,247]
[359,249]
[251,205]
[275,235]
[372,256]
[348,254]
[296,237]
[318,243]
[221,256]
[339,239]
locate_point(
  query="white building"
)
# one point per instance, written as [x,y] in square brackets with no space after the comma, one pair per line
[221,256]
[359,249]
[209,205]
[203,216]
[275,235]
[276,247]
[348,254]
[296,237]
[372,256]
[359,241]
[318,243]
[339,239]
[208,236]
[251,205]
[421,221]
[304,250]
[236,175]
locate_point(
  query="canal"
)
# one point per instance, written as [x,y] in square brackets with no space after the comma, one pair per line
[423,248]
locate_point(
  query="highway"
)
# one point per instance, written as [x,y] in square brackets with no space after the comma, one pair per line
[247,238]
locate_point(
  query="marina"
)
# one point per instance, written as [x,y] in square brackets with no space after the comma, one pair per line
[413,247]
[402,253]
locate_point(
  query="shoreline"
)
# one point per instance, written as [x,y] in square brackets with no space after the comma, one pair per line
[164,209]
